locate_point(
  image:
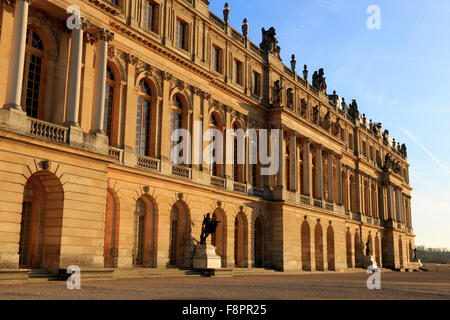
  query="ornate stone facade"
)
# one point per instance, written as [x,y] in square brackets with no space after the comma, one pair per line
[85,149]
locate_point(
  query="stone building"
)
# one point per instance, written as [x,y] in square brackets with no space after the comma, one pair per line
[88,102]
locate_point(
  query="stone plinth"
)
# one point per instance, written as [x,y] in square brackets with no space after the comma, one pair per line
[205,258]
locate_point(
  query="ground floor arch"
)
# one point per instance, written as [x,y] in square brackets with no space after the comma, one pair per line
[240,240]
[318,244]
[180,235]
[219,239]
[41,222]
[112,224]
[330,248]
[358,251]
[306,246]
[260,242]
[400,253]
[348,243]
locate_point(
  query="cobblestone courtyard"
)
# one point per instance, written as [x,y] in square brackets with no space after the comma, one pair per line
[394,285]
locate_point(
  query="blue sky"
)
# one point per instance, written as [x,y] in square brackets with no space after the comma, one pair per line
[399,75]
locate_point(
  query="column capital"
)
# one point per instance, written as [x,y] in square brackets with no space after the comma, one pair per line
[306,140]
[167,76]
[131,59]
[103,35]
[339,156]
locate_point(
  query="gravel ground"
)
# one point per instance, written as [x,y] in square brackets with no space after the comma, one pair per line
[394,285]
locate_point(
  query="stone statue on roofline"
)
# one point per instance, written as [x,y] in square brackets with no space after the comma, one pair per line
[269,43]
[318,80]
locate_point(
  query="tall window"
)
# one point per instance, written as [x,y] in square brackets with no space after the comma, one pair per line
[256,83]
[109,99]
[138,233]
[216,59]
[181,34]
[176,120]
[33,75]
[237,69]
[143,119]
[150,19]
[173,236]
[216,169]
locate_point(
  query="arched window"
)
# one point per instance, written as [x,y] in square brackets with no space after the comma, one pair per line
[33,76]
[138,233]
[143,119]
[176,120]
[216,169]
[287,176]
[109,103]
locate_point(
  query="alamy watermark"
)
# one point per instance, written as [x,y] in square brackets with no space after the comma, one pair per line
[74,20]
[374,20]
[259,147]
[74,280]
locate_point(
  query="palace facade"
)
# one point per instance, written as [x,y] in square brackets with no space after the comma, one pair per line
[88,102]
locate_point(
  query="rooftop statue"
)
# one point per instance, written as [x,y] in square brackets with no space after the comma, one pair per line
[353,110]
[318,80]
[269,42]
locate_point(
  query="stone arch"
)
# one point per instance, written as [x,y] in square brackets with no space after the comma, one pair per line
[145,223]
[377,250]
[113,107]
[330,249]
[344,191]
[186,99]
[238,169]
[411,252]
[306,246]
[358,251]
[318,244]
[112,227]
[352,186]
[180,242]
[260,242]
[219,239]
[372,248]
[41,222]
[151,81]
[348,240]
[241,240]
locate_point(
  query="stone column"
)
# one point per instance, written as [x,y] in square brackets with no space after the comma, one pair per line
[339,176]
[319,172]
[293,162]
[101,56]
[165,124]
[389,202]
[307,167]
[17,57]
[280,182]
[74,81]
[129,140]
[330,178]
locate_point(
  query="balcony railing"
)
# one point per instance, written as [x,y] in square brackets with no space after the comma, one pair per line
[148,162]
[330,206]
[318,203]
[48,131]
[237,186]
[218,182]
[181,171]
[258,192]
[305,199]
[116,153]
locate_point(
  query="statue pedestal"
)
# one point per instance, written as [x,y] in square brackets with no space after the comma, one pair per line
[369,261]
[205,258]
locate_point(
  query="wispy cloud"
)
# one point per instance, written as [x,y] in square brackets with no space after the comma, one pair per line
[416,141]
